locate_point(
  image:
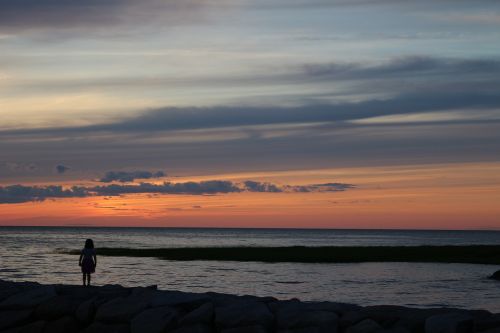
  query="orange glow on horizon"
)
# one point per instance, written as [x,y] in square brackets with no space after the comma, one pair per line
[463,196]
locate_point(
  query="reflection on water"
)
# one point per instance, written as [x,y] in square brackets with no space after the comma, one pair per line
[29,254]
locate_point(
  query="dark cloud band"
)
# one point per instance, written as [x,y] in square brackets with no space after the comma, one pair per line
[20,193]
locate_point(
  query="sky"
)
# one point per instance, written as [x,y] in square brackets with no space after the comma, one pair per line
[219,113]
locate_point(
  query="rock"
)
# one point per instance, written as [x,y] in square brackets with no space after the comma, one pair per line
[176,298]
[36,327]
[121,309]
[85,312]
[496,276]
[8,290]
[364,326]
[242,314]
[56,307]
[312,329]
[246,329]
[62,325]
[155,320]
[449,323]
[13,318]
[385,315]
[487,323]
[492,330]
[294,314]
[29,298]
[103,328]
[202,314]
[339,308]
[198,328]
[78,292]
[351,318]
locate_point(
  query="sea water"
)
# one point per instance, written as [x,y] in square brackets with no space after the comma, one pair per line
[34,254]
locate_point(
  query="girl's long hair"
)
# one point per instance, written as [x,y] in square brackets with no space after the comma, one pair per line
[89,244]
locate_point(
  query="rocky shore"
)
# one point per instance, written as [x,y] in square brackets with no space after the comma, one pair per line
[27,307]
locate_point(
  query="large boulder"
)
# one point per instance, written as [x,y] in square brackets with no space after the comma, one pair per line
[197,328]
[178,299]
[56,307]
[241,314]
[496,275]
[294,314]
[35,327]
[65,324]
[364,326]
[85,312]
[155,320]
[29,298]
[488,323]
[104,328]
[13,318]
[455,322]
[121,309]
[204,314]
[246,329]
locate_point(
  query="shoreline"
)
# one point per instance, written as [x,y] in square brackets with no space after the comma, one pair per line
[469,254]
[32,307]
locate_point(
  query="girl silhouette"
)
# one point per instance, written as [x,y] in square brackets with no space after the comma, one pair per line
[88,261]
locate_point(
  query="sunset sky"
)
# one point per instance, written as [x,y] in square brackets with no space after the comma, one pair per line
[250,113]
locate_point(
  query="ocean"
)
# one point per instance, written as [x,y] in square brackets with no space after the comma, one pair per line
[33,254]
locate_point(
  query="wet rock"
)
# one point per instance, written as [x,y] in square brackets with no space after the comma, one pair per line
[202,314]
[364,326]
[449,323]
[29,298]
[62,325]
[242,314]
[85,312]
[13,318]
[155,320]
[121,310]
[56,307]
[198,328]
[246,329]
[36,327]
[103,328]
[177,298]
[496,276]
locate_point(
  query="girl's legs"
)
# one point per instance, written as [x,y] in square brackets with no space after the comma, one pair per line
[84,279]
[88,279]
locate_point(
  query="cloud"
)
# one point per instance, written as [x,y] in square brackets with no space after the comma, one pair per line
[327,187]
[129,176]
[204,187]
[61,169]
[33,16]
[20,193]
[253,186]
[16,167]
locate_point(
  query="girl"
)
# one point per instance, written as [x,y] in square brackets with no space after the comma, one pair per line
[88,261]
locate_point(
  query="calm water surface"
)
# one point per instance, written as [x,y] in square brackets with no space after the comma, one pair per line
[30,254]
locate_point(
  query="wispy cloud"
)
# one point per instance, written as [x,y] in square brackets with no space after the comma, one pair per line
[129,176]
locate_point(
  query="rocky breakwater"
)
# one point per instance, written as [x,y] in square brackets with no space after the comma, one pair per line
[31,307]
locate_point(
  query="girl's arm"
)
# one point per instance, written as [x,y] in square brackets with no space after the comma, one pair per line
[95,260]
[80,260]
